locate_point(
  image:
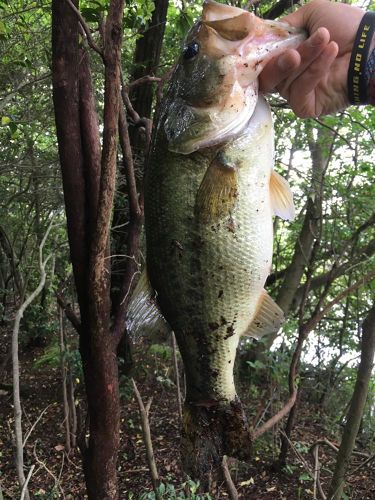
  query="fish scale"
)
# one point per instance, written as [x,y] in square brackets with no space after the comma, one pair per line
[208,260]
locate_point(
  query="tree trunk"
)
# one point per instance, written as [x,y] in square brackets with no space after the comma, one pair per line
[146,61]
[89,183]
[356,406]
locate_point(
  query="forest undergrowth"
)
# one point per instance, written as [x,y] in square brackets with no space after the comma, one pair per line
[58,474]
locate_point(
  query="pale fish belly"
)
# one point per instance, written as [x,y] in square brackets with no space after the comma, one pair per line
[209,277]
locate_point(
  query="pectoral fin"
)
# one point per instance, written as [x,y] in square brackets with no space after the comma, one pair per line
[144,316]
[217,193]
[281,197]
[268,318]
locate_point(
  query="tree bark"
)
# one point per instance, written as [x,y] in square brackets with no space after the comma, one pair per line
[356,406]
[88,190]
[65,79]
[146,61]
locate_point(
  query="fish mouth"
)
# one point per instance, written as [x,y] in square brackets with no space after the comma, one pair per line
[232,31]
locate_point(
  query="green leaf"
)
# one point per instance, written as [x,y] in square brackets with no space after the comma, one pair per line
[5,120]
[13,127]
[305,477]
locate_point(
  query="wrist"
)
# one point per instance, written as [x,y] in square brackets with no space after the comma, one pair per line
[360,73]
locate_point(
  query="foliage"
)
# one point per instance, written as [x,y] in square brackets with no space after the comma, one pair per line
[31,196]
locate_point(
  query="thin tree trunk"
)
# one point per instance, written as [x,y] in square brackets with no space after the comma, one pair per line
[177,375]
[146,62]
[64,381]
[16,366]
[356,406]
[72,411]
[288,431]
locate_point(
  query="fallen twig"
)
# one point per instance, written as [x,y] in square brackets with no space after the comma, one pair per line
[43,465]
[299,456]
[28,434]
[233,493]
[147,440]
[365,462]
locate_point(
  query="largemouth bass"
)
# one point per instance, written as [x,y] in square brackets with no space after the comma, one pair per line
[210,194]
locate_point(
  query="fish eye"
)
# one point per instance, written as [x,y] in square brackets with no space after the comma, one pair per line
[190,50]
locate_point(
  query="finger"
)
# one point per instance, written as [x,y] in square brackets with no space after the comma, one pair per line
[292,63]
[301,18]
[278,70]
[310,50]
[304,96]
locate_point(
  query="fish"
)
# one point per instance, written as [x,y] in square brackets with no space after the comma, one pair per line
[210,195]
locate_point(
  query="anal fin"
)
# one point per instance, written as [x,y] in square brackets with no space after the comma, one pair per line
[144,317]
[267,319]
[281,197]
[217,193]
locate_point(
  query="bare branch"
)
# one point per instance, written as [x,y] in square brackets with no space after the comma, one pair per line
[321,122]
[28,434]
[233,493]
[278,9]
[134,206]
[141,81]
[137,120]
[320,314]
[4,100]
[135,222]
[69,313]
[86,29]
[278,416]
[16,366]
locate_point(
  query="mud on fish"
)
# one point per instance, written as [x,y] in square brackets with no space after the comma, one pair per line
[210,195]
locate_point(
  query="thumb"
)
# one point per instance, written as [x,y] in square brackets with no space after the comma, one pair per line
[297,19]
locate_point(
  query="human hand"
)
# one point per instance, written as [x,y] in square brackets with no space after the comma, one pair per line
[313,78]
